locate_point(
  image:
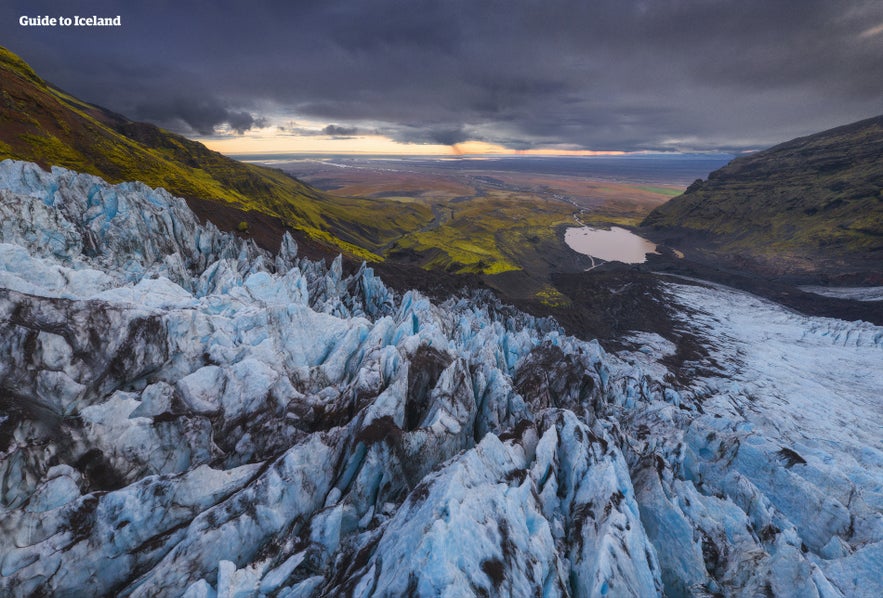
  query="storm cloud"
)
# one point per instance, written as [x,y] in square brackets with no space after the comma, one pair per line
[201,115]
[607,74]
[338,131]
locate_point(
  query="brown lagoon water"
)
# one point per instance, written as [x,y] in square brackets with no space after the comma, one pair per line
[616,244]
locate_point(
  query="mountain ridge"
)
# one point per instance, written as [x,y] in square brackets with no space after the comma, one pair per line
[810,206]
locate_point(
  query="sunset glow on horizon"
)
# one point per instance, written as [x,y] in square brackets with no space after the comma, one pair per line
[254,143]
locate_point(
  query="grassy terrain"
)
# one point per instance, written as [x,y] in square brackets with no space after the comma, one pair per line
[492,222]
[504,228]
[489,234]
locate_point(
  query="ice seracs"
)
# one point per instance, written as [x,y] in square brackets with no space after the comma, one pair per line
[184,414]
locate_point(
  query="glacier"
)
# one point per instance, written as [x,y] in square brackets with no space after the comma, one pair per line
[185,414]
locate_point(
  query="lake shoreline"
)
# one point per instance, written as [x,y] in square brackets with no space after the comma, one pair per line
[608,245]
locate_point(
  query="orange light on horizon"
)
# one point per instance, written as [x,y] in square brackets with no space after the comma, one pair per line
[320,144]
[262,143]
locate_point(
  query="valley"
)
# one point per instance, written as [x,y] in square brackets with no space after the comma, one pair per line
[502,220]
[500,223]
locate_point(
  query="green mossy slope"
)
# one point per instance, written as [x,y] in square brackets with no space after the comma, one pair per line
[814,200]
[43,124]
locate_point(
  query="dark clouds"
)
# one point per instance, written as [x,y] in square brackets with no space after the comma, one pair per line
[443,135]
[201,114]
[607,74]
[340,132]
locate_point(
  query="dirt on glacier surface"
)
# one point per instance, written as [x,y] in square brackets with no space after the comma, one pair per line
[185,414]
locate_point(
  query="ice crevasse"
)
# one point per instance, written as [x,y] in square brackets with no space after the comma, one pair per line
[183,413]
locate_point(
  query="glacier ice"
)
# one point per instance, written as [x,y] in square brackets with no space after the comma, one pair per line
[184,414]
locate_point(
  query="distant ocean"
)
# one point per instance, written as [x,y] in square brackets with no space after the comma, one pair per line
[679,169]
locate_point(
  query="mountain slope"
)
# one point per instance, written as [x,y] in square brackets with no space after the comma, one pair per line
[813,204]
[48,126]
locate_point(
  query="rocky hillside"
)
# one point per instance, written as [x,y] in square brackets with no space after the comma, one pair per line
[185,414]
[813,206]
[43,124]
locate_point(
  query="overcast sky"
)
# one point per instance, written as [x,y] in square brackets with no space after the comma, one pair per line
[581,74]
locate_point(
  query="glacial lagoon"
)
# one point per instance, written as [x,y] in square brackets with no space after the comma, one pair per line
[616,244]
